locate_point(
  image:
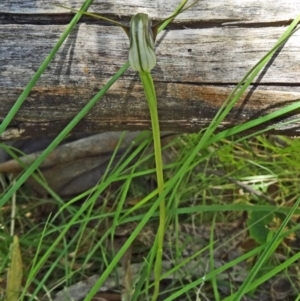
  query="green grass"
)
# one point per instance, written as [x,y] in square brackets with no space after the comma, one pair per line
[221,177]
[201,197]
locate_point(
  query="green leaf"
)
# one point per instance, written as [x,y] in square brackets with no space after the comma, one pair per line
[258,226]
[15,272]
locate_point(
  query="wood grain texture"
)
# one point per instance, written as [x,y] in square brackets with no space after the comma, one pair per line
[199,60]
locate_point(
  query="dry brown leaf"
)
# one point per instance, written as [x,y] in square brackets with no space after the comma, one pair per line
[127,280]
[92,146]
[76,166]
[107,297]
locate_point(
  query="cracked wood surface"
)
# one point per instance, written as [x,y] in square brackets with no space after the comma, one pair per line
[200,58]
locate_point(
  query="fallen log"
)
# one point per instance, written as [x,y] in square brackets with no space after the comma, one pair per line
[200,57]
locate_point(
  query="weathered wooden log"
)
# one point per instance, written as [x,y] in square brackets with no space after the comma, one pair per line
[202,55]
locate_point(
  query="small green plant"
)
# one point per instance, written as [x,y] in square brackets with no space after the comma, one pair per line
[142,59]
[142,36]
[258,223]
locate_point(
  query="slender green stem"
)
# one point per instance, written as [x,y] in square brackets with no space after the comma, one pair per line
[148,85]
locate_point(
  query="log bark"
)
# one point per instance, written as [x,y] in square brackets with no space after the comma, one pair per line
[200,57]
